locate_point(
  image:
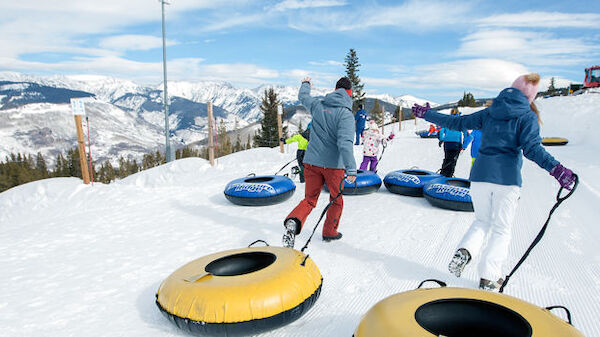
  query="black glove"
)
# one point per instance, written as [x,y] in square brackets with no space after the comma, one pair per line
[282,140]
[440,143]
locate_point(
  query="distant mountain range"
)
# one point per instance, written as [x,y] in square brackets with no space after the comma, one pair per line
[127,119]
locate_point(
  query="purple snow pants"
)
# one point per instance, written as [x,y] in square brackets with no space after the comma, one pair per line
[367,160]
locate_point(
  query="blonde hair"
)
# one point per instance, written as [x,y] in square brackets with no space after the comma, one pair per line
[537,112]
[534,78]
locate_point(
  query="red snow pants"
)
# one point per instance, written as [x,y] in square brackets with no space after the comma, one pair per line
[315,178]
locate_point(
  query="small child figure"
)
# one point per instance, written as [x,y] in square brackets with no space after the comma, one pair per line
[372,139]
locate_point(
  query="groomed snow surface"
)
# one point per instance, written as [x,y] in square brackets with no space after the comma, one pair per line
[80,260]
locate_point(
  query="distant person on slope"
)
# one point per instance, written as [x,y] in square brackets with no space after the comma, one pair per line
[454,142]
[360,118]
[371,140]
[329,156]
[509,127]
[302,139]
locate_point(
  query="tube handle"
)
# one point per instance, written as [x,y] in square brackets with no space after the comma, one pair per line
[440,283]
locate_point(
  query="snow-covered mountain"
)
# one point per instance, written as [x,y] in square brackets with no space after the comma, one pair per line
[45,99]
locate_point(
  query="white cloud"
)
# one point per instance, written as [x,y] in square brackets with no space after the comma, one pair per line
[531,48]
[411,15]
[326,63]
[133,42]
[299,4]
[533,19]
[482,74]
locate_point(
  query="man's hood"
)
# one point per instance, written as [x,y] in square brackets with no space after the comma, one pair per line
[510,103]
[338,98]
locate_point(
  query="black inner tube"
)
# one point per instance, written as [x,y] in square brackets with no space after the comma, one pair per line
[459,183]
[240,264]
[417,173]
[258,180]
[462,317]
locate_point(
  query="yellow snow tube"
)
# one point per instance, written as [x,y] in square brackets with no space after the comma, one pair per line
[554,141]
[240,292]
[460,312]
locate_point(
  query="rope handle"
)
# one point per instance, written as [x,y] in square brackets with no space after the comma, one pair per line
[440,283]
[257,241]
[322,215]
[251,175]
[538,238]
[561,199]
[564,308]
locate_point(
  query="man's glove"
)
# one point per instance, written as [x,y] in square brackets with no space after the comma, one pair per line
[419,110]
[440,143]
[282,140]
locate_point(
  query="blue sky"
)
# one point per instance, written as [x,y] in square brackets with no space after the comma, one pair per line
[431,49]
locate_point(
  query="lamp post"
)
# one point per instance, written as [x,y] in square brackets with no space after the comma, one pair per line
[166,96]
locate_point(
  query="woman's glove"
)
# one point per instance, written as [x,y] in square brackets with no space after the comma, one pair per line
[565,177]
[391,136]
[419,110]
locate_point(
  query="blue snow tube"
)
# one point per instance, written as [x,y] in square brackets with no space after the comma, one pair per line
[259,190]
[366,182]
[408,182]
[449,193]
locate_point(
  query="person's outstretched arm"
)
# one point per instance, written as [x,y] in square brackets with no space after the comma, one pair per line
[458,123]
[304,95]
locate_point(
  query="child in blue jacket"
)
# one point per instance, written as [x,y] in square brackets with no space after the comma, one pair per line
[454,142]
[509,127]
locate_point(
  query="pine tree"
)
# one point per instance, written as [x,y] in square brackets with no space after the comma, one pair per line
[248,144]
[377,113]
[224,142]
[467,100]
[238,143]
[40,166]
[352,66]
[551,88]
[268,135]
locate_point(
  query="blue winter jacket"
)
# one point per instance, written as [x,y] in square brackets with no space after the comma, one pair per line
[454,140]
[332,130]
[476,143]
[508,127]
[361,118]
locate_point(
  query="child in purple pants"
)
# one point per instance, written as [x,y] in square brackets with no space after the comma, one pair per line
[372,139]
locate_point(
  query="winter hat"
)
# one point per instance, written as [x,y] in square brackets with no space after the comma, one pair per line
[373,125]
[528,84]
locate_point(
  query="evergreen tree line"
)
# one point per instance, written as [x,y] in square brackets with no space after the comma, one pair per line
[18,169]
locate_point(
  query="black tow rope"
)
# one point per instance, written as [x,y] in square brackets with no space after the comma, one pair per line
[382,152]
[284,166]
[321,218]
[537,239]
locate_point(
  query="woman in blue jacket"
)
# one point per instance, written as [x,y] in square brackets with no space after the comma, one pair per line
[509,127]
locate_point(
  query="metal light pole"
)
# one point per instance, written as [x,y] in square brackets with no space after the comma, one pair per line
[166,96]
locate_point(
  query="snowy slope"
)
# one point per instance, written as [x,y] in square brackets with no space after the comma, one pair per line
[83,260]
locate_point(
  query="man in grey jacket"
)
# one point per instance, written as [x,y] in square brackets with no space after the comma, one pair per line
[328,159]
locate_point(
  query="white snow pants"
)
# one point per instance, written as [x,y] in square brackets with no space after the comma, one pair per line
[495,207]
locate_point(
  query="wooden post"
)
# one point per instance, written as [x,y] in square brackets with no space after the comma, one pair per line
[382,119]
[400,117]
[211,144]
[279,128]
[84,166]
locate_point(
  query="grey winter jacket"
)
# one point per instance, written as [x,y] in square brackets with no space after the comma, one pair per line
[332,130]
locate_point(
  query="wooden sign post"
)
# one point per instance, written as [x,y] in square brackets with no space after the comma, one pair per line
[382,119]
[279,128]
[78,107]
[400,118]
[211,144]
